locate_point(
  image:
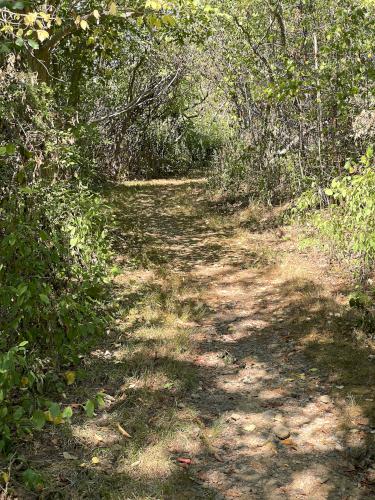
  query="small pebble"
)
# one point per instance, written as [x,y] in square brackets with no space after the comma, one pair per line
[325,399]
[281,432]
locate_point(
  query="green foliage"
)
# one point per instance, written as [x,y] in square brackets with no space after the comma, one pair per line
[230,168]
[349,221]
[295,78]
[19,407]
[12,380]
[92,404]
[54,256]
[54,263]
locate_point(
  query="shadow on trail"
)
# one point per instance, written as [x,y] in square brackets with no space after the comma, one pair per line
[297,339]
[157,223]
[275,349]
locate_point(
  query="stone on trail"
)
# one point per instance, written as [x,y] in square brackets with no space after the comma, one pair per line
[281,432]
[250,427]
[325,399]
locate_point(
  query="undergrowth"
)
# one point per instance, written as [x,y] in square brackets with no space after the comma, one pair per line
[346,226]
[55,262]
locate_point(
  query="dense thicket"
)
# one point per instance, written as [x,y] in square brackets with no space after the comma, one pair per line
[300,78]
[269,99]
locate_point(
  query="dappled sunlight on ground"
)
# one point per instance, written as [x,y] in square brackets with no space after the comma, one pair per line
[233,352]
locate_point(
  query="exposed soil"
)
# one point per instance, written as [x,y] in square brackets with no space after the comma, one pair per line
[235,365]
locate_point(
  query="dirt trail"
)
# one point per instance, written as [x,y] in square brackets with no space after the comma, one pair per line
[271,367]
[235,351]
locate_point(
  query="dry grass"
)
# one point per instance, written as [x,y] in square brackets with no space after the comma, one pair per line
[147,363]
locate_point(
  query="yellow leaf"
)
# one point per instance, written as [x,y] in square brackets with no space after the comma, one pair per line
[96,14]
[42,35]
[54,420]
[84,24]
[39,24]
[7,28]
[95,460]
[46,17]
[48,416]
[30,18]
[70,377]
[168,20]
[20,32]
[5,477]
[24,381]
[57,420]
[123,431]
[78,20]
[154,4]
[250,428]
[58,21]
[154,21]
[112,8]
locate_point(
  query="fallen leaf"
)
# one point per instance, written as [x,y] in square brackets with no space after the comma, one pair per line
[186,461]
[250,428]
[289,442]
[70,377]
[95,460]
[123,431]
[68,456]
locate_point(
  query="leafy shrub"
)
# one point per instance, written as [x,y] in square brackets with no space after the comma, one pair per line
[20,411]
[54,256]
[229,171]
[347,225]
[55,260]
[349,222]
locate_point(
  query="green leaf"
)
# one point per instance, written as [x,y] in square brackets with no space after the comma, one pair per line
[18,413]
[54,409]
[89,408]
[38,419]
[18,5]
[67,413]
[44,298]
[33,44]
[100,400]
[33,480]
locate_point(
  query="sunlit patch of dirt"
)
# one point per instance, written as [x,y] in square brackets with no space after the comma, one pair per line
[232,366]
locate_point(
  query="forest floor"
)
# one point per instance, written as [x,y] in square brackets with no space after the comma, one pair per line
[235,365]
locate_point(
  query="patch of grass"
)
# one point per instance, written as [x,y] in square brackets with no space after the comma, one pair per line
[307,242]
[147,372]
